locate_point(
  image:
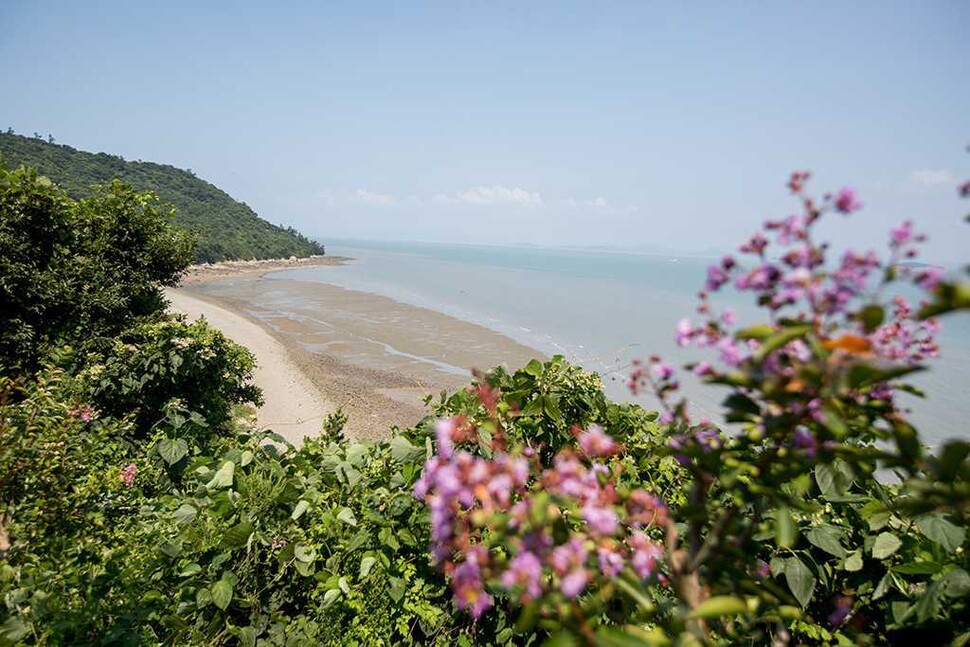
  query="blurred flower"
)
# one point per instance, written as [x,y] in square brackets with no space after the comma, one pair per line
[128,474]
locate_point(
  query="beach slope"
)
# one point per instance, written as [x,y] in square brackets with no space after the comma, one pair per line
[294,407]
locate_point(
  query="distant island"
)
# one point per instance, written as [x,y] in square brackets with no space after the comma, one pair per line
[224,228]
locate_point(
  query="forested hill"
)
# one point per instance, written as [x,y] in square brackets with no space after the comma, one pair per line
[225,228]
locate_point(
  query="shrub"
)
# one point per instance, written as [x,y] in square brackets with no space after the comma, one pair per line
[76,271]
[169,361]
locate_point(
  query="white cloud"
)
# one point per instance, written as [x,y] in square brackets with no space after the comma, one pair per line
[491,195]
[373,198]
[930,178]
[496,195]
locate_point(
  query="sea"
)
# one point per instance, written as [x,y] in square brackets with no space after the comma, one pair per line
[602,309]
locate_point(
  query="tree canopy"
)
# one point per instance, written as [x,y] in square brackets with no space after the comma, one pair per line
[224,228]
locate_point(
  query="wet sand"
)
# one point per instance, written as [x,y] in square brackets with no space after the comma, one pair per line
[373,357]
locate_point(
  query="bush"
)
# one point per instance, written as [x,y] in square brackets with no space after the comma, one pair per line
[168,361]
[78,271]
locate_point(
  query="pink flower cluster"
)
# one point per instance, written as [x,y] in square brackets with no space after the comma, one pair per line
[825,299]
[903,339]
[790,279]
[128,474]
[492,520]
[84,412]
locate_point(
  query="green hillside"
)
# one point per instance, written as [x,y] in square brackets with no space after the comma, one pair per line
[224,228]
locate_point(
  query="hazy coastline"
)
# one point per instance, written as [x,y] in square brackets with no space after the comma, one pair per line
[371,356]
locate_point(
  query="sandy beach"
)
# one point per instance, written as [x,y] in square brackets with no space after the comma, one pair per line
[321,348]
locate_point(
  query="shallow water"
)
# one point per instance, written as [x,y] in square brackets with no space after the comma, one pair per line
[599,309]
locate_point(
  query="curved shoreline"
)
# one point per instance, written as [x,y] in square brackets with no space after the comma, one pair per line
[293,405]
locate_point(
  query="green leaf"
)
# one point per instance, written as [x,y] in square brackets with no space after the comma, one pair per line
[402,450]
[862,375]
[247,636]
[533,368]
[396,588]
[561,639]
[833,479]
[951,459]
[872,317]
[190,570]
[941,531]
[758,331]
[886,544]
[800,580]
[720,605]
[300,508]
[330,597]
[853,563]
[785,530]
[882,587]
[185,514]
[237,536]
[171,548]
[366,564]
[928,604]
[742,403]
[14,629]
[304,553]
[956,584]
[828,538]
[222,593]
[223,477]
[347,516]
[776,340]
[550,405]
[172,450]
[918,568]
[625,637]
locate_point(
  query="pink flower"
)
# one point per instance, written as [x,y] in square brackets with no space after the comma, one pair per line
[444,430]
[610,561]
[846,201]
[596,443]
[929,278]
[716,277]
[601,520]
[901,234]
[754,245]
[84,412]
[702,368]
[569,563]
[467,583]
[574,582]
[128,474]
[646,554]
[525,572]
[684,332]
[663,371]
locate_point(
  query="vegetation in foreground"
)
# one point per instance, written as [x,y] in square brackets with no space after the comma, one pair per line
[223,228]
[136,509]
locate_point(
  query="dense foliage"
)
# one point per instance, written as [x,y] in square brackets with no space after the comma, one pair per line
[81,270]
[224,229]
[137,506]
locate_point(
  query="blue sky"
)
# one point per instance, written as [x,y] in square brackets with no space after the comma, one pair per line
[661,125]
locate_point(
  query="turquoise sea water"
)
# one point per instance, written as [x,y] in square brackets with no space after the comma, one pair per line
[600,309]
